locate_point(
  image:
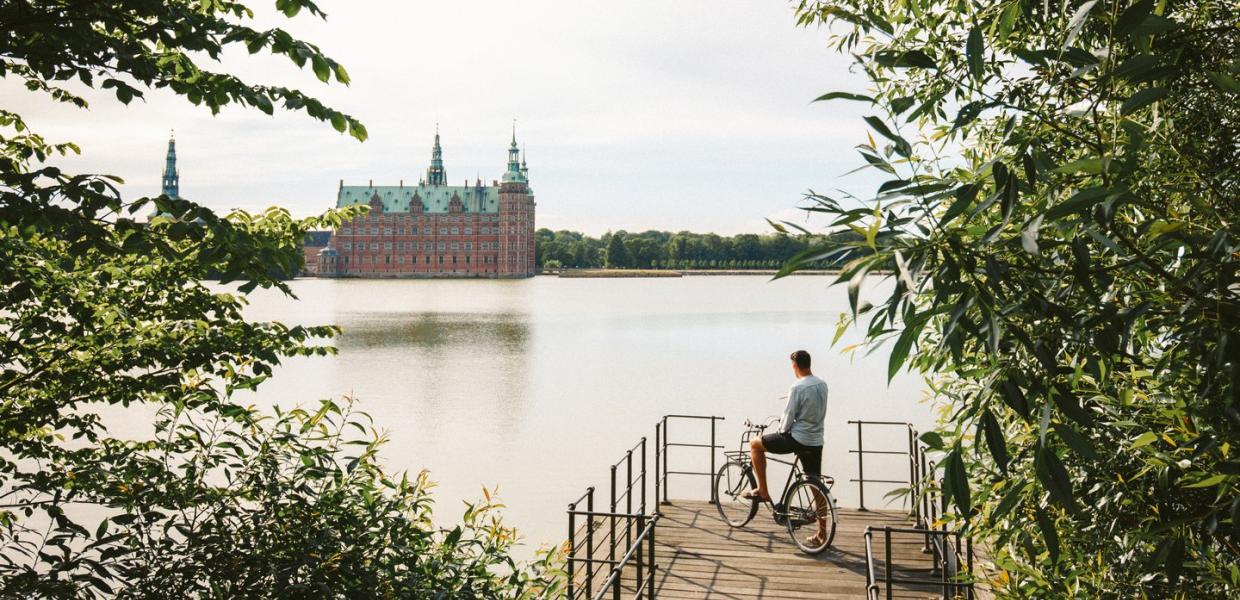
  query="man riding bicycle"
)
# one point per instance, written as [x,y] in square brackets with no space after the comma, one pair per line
[800,433]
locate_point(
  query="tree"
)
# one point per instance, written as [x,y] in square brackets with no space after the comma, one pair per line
[1062,222]
[618,256]
[100,309]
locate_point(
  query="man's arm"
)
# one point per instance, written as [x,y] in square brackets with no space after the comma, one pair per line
[790,411]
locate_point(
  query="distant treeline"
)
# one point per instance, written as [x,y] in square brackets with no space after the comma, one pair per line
[679,250]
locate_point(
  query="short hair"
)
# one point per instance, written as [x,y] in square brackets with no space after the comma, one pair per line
[801,358]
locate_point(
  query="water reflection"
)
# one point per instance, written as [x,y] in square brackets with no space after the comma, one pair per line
[436,332]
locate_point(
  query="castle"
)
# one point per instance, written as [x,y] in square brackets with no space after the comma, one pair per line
[433,229]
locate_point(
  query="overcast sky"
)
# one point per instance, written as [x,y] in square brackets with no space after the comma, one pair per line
[685,114]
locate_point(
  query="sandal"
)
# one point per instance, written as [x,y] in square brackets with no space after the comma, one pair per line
[754,495]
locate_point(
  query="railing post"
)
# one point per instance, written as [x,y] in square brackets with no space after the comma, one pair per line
[643,502]
[628,497]
[912,472]
[710,478]
[887,559]
[590,542]
[658,453]
[860,468]
[641,574]
[653,565]
[572,546]
[611,542]
[666,482]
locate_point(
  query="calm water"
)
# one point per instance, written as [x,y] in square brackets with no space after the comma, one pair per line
[536,386]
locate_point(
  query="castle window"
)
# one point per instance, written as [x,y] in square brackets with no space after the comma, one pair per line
[469,245]
[469,231]
[348,245]
[443,231]
[456,246]
[346,231]
[442,246]
[374,245]
[387,245]
[374,231]
[466,260]
[413,231]
[387,231]
[456,231]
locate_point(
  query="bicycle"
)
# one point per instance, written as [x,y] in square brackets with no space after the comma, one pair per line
[797,508]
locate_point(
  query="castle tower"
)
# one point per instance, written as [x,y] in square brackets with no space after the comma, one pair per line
[516,217]
[172,177]
[436,174]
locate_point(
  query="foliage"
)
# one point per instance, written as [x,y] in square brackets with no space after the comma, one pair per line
[1062,222]
[681,250]
[618,256]
[107,321]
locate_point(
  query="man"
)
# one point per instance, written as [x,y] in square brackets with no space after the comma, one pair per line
[800,433]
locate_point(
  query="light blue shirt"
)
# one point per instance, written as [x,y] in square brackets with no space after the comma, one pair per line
[806,410]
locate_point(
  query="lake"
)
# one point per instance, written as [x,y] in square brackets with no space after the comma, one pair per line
[536,386]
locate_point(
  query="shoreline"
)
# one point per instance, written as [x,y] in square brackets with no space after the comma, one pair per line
[631,273]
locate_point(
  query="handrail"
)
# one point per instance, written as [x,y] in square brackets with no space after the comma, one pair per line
[646,579]
[662,443]
[626,524]
[861,452]
[949,581]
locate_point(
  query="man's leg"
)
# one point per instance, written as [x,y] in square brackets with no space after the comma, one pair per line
[757,452]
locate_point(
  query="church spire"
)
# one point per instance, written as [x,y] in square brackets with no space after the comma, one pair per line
[172,177]
[514,158]
[436,174]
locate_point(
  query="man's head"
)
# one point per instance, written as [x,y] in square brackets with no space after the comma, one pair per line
[800,363]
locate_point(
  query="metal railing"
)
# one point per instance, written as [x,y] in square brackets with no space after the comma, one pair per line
[926,509]
[909,452]
[953,582]
[603,544]
[663,443]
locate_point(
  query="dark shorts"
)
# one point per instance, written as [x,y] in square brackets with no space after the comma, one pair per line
[784,443]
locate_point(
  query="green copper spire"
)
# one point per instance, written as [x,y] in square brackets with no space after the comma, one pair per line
[172,177]
[436,174]
[514,172]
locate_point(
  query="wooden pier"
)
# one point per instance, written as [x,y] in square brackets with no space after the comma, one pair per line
[700,557]
[618,547]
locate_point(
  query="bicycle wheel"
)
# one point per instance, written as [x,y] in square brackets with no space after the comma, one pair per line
[733,479]
[805,503]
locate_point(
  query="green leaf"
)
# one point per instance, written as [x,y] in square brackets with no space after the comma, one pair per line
[994,440]
[1142,99]
[1133,16]
[956,481]
[902,146]
[1077,22]
[1049,535]
[1224,81]
[1079,202]
[1054,478]
[899,353]
[974,51]
[1077,442]
[1208,482]
[932,440]
[844,96]
[1143,440]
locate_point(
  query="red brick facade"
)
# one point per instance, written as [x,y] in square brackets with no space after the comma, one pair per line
[456,243]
